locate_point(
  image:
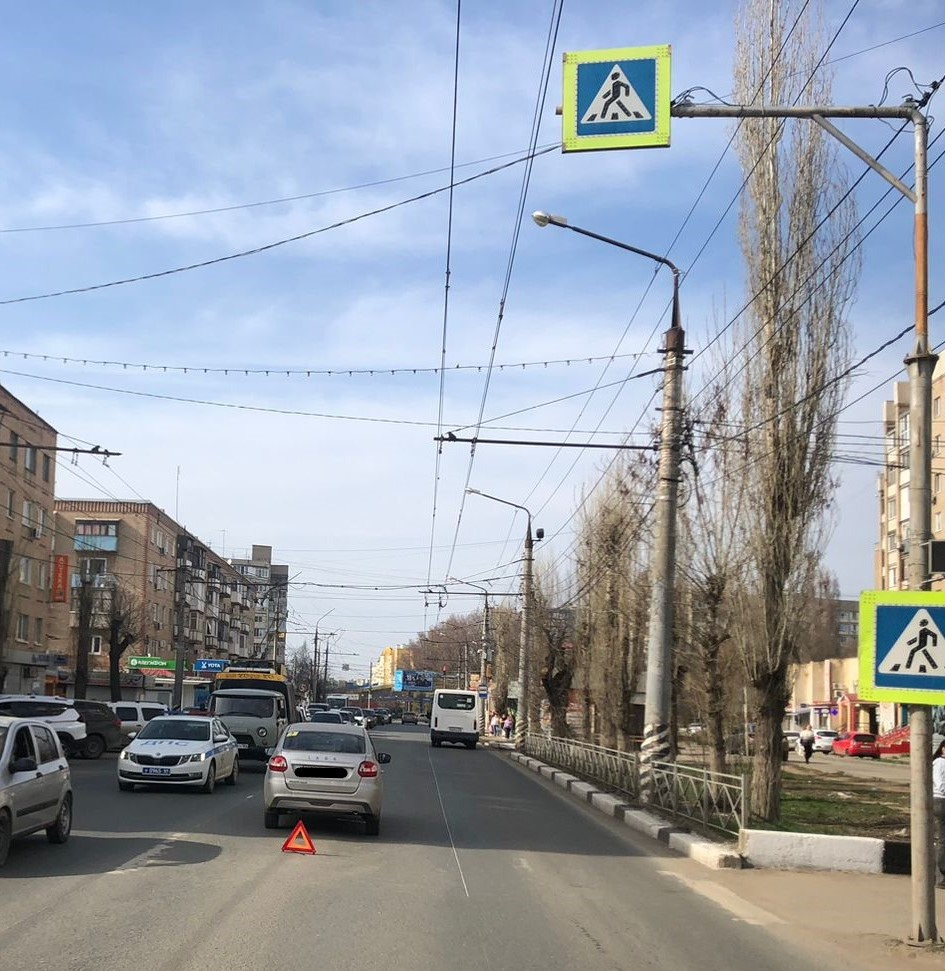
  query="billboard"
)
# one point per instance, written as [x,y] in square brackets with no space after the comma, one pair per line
[60,585]
[413,680]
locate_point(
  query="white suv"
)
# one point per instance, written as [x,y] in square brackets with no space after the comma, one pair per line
[58,713]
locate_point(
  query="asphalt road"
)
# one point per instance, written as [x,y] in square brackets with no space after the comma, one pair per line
[479,865]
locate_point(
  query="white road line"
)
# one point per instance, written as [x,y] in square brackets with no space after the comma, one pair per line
[449,832]
[143,859]
[739,908]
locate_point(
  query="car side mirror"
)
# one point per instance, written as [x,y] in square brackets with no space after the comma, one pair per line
[132,735]
[221,738]
[24,764]
[383,758]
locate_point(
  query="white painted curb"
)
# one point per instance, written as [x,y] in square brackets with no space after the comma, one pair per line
[811,851]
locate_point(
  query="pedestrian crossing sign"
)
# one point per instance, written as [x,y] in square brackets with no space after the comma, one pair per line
[902,646]
[616,98]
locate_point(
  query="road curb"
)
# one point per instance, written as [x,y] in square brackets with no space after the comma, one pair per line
[713,855]
[817,851]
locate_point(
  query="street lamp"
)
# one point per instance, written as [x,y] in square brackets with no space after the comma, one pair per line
[521,721]
[659,648]
[315,658]
[484,649]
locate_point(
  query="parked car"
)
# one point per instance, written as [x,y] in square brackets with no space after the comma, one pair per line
[58,713]
[860,744]
[328,769]
[329,718]
[409,718]
[134,715]
[179,750]
[35,784]
[102,728]
[823,741]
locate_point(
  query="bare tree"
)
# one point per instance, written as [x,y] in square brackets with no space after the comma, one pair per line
[554,649]
[6,604]
[84,596]
[125,619]
[798,243]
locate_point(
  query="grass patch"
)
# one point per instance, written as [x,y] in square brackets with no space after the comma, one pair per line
[838,804]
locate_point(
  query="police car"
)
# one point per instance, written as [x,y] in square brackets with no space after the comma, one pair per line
[179,751]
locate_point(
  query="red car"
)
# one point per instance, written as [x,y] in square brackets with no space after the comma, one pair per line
[861,744]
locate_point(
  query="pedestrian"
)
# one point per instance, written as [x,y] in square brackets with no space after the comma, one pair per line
[495,723]
[807,742]
[938,805]
[507,724]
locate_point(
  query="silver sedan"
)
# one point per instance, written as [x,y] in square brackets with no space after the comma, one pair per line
[328,769]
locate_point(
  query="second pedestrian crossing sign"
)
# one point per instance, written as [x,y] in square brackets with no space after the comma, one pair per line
[902,647]
[616,98]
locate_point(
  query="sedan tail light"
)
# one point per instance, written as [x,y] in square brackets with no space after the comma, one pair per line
[278,764]
[368,769]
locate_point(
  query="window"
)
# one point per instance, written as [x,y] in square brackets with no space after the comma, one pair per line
[893,581]
[938,522]
[457,702]
[22,628]
[42,576]
[38,630]
[11,503]
[126,713]
[937,408]
[937,483]
[47,465]
[93,567]
[96,647]
[23,745]
[891,507]
[96,529]
[14,446]
[29,459]
[26,570]
[891,543]
[27,513]
[46,746]
[904,427]
[936,444]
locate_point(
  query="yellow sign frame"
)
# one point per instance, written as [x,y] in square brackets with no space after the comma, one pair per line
[661,54]
[869,601]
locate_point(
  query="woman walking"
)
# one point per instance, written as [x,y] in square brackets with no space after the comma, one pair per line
[938,806]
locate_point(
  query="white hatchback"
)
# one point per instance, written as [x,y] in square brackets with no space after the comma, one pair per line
[179,751]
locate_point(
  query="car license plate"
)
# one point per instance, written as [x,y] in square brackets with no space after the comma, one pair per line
[152,770]
[455,728]
[243,745]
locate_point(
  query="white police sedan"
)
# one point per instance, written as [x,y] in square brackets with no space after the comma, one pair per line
[180,751]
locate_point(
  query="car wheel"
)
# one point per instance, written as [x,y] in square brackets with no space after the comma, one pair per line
[372,825]
[68,745]
[235,774]
[93,747]
[471,745]
[125,786]
[6,835]
[270,820]
[210,783]
[62,827]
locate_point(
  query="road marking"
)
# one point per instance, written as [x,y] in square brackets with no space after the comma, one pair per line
[143,859]
[728,900]
[449,832]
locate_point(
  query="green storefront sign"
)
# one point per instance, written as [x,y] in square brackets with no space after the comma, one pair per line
[162,663]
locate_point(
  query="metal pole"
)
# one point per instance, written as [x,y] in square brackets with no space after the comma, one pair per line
[180,588]
[921,365]
[659,649]
[315,667]
[521,718]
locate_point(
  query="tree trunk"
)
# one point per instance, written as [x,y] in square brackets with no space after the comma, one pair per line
[83,637]
[769,705]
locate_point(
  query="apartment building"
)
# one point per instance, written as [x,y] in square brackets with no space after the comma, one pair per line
[271,586]
[27,487]
[135,551]
[391,659]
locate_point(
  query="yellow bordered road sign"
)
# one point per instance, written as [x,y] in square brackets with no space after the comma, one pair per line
[616,98]
[902,646]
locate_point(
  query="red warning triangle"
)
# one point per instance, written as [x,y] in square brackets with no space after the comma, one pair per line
[299,841]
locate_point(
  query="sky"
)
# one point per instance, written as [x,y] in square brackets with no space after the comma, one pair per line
[142,139]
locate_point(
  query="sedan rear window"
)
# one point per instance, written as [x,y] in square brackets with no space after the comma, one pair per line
[253,706]
[303,741]
[864,738]
[331,717]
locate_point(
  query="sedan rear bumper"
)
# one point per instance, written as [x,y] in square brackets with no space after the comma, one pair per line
[331,805]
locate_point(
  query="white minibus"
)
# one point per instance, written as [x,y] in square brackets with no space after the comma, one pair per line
[454,717]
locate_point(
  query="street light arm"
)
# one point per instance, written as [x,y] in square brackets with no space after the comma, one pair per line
[505,502]
[624,246]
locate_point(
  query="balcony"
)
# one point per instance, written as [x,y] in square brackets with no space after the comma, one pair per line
[98,581]
[91,544]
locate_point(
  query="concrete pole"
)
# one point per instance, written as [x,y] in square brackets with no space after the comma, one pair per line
[484,647]
[521,716]
[921,365]
[180,590]
[659,649]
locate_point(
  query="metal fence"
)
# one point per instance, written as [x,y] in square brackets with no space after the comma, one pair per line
[714,800]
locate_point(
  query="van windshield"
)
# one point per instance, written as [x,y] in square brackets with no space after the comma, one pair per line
[457,702]
[248,705]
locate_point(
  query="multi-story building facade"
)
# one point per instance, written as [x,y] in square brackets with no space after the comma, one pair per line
[180,590]
[391,659]
[27,487]
[271,585]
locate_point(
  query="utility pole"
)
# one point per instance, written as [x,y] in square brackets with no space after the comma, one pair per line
[656,745]
[521,719]
[921,364]
[315,668]
[181,578]
[483,659]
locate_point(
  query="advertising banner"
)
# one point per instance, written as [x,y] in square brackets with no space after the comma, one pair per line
[60,584]
[413,680]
